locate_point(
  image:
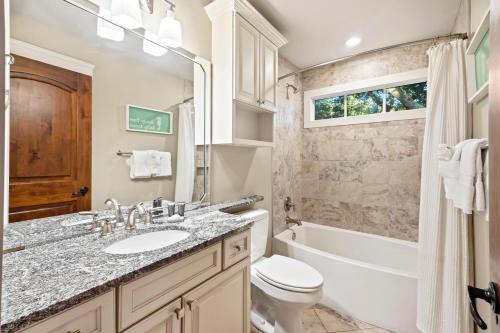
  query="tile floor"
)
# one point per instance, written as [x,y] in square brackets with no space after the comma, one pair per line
[320,319]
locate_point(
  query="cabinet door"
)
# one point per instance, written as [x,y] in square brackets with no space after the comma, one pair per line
[222,304]
[268,74]
[165,320]
[246,88]
[94,316]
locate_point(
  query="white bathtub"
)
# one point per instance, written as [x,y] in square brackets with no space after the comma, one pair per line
[367,277]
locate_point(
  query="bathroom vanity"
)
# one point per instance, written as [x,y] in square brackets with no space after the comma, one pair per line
[73,285]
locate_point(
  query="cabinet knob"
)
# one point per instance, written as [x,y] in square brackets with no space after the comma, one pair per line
[238,248]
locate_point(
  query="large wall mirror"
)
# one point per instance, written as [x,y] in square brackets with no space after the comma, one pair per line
[98,111]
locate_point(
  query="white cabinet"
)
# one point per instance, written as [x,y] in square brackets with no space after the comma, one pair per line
[245,74]
[165,320]
[268,74]
[94,316]
[221,304]
[247,56]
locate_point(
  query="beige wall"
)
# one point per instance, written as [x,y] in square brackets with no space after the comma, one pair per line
[117,81]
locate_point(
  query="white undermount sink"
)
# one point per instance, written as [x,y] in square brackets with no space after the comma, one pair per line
[147,242]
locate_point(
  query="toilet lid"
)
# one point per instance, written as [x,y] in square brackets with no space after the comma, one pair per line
[289,273]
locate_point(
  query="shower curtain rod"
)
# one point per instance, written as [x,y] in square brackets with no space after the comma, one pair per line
[421,41]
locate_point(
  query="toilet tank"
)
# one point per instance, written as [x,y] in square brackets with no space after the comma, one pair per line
[259,231]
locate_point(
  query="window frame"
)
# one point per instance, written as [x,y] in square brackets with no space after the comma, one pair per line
[383,82]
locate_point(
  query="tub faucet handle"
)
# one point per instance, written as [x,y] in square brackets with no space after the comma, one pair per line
[289,204]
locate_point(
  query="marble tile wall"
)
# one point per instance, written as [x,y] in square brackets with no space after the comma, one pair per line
[286,155]
[361,177]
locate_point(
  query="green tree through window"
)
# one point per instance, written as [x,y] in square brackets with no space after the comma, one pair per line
[400,98]
[326,108]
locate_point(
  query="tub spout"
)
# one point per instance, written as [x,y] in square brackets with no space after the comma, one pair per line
[291,220]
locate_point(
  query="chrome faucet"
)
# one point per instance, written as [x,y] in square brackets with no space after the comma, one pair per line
[134,214]
[120,221]
[289,205]
[291,220]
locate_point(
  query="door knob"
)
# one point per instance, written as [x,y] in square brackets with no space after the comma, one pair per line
[489,295]
[81,192]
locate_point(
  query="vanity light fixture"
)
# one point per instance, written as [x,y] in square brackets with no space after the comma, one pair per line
[170,32]
[353,41]
[106,29]
[127,13]
[152,48]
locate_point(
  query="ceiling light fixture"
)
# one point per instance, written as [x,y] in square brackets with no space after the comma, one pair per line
[152,48]
[106,29]
[170,32]
[353,41]
[127,13]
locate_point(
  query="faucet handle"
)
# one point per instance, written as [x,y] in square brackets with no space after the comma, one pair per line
[89,213]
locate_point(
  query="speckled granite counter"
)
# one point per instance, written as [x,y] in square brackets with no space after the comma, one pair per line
[44,280]
[47,230]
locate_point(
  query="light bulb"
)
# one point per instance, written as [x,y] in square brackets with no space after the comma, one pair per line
[127,13]
[152,48]
[170,32]
[108,30]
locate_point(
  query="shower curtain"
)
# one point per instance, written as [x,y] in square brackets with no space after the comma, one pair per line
[184,181]
[444,268]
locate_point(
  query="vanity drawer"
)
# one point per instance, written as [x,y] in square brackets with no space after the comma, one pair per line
[94,316]
[143,296]
[236,248]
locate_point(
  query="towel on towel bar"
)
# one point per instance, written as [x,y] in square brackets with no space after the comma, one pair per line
[150,163]
[463,174]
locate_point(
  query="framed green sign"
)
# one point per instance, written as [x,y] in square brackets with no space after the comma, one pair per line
[142,119]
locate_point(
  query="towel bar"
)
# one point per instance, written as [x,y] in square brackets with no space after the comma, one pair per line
[124,153]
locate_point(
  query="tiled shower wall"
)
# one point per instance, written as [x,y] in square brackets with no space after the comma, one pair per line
[286,160]
[360,177]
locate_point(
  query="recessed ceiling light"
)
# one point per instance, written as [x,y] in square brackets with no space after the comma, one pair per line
[353,41]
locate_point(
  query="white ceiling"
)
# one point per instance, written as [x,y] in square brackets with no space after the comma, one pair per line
[318,29]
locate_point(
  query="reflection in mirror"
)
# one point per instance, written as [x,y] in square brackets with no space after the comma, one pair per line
[99,112]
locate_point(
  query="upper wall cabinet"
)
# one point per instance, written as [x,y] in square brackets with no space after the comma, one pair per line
[245,74]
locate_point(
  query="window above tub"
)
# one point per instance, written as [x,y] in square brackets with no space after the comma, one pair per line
[393,97]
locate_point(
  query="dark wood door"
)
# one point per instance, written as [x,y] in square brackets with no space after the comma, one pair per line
[494,152]
[50,140]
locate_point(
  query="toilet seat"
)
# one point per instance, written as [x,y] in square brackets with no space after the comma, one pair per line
[288,274]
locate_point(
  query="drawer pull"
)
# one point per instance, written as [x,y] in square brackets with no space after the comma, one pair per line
[180,313]
[238,248]
[77,331]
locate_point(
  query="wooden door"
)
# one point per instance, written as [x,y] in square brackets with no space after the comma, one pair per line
[268,74]
[246,62]
[165,320]
[50,140]
[222,304]
[494,153]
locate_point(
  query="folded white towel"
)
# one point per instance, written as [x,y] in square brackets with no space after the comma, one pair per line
[165,164]
[462,175]
[445,152]
[145,164]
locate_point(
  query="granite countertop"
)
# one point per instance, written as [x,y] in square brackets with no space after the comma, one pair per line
[43,280]
[36,232]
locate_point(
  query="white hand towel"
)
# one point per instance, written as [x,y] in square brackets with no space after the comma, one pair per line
[445,152]
[462,176]
[140,164]
[450,171]
[165,164]
[145,164]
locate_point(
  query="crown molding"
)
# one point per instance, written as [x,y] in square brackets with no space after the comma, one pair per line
[249,13]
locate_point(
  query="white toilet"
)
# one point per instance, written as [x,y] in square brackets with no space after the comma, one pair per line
[282,287]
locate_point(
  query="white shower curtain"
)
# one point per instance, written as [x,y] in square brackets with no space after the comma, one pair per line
[184,181]
[444,268]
